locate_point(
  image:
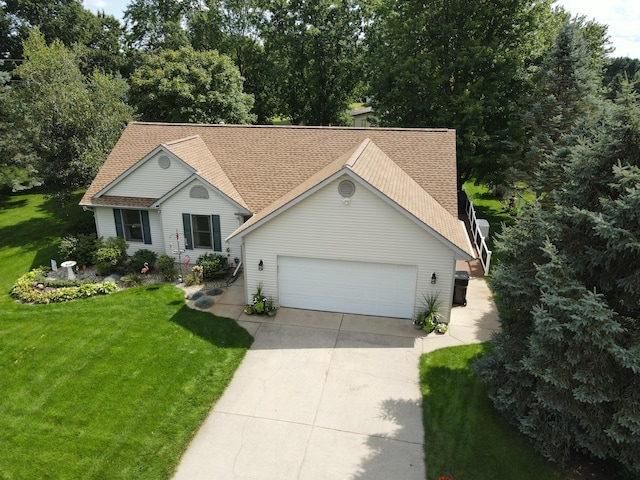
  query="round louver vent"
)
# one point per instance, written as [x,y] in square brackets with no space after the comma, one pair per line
[346,188]
[164,161]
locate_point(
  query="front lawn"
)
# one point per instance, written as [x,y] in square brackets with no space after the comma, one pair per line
[464,436]
[107,387]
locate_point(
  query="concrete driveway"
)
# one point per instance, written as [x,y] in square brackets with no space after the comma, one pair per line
[325,395]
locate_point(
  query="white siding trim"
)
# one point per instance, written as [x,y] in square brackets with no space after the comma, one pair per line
[345,171]
[217,204]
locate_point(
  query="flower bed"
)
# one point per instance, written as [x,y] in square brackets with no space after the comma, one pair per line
[36,287]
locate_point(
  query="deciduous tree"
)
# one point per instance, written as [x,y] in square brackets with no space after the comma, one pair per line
[458,64]
[188,86]
[315,46]
[65,123]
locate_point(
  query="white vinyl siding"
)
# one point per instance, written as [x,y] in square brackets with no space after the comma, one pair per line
[106,227]
[367,229]
[182,202]
[149,180]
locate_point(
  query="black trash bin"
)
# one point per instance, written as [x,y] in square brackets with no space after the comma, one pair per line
[460,288]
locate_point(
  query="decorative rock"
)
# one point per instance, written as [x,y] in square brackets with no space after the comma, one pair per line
[204,302]
[215,291]
[194,295]
[113,278]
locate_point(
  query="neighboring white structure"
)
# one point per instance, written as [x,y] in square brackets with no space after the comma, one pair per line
[336,219]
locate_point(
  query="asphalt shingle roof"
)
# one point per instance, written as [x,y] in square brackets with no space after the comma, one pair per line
[264,167]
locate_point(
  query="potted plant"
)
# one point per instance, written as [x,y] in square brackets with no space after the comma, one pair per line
[428,318]
[270,308]
[441,328]
[259,300]
[248,310]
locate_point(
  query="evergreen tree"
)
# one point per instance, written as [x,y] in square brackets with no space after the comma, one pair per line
[566,91]
[566,365]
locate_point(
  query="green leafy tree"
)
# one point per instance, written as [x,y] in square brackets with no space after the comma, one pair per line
[188,86]
[315,47]
[66,123]
[67,21]
[233,28]
[566,366]
[153,25]
[458,64]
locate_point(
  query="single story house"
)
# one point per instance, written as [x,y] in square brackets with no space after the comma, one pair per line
[338,219]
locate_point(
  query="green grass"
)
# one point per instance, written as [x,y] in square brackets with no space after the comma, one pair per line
[488,207]
[108,387]
[463,433]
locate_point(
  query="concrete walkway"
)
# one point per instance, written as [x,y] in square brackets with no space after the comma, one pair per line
[326,395]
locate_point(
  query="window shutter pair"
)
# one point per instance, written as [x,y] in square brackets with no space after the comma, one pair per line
[146,227]
[215,225]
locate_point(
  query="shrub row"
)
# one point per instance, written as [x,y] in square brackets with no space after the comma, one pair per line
[110,256]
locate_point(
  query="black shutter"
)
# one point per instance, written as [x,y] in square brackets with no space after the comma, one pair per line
[146,228]
[117,216]
[186,223]
[217,240]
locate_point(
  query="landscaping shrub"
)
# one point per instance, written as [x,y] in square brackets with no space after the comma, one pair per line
[213,265]
[132,280]
[54,291]
[138,259]
[80,248]
[167,267]
[111,255]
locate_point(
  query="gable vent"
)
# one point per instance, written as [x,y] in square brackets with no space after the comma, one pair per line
[198,191]
[164,161]
[346,188]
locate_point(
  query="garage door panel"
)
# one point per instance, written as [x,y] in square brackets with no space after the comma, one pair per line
[349,287]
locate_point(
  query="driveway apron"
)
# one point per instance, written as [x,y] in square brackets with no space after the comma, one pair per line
[326,395]
[338,402]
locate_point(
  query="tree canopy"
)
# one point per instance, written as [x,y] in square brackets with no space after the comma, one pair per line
[188,86]
[315,47]
[63,124]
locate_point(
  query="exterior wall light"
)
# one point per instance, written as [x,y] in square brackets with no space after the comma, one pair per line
[434,277]
[260,265]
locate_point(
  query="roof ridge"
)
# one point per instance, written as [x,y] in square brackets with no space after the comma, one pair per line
[355,156]
[181,140]
[293,127]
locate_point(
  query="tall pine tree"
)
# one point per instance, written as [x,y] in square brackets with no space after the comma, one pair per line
[566,366]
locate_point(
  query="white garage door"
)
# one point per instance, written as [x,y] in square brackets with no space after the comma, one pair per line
[350,287]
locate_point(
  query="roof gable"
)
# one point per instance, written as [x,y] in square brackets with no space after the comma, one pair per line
[191,154]
[372,167]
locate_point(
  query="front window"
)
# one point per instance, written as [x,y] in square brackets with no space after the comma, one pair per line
[202,234]
[132,225]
